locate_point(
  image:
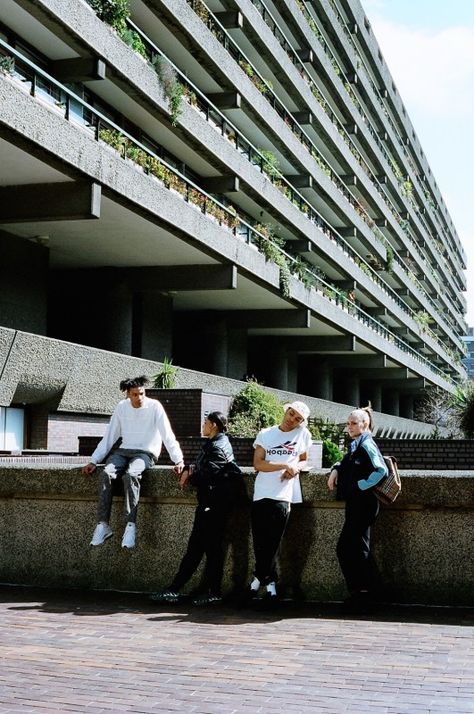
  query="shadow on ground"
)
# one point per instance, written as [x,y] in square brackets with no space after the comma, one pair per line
[88,603]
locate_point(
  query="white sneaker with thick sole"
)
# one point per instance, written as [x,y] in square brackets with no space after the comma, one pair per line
[101,533]
[128,540]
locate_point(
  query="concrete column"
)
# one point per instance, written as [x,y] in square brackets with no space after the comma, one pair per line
[352,390]
[152,331]
[391,401]
[373,394]
[277,365]
[407,406]
[292,371]
[114,318]
[237,348]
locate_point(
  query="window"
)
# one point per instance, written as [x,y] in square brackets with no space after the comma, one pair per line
[12,422]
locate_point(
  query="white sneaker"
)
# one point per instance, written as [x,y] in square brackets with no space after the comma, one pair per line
[128,540]
[101,533]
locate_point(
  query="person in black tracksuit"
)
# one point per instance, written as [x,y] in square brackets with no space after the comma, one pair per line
[355,476]
[219,484]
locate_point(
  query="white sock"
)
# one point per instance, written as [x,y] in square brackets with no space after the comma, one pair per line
[255,585]
[271,588]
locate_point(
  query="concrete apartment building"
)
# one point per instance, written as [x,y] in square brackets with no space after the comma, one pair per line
[235,185]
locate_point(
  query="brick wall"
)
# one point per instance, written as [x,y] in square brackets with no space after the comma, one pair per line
[430,453]
[64,430]
[187,408]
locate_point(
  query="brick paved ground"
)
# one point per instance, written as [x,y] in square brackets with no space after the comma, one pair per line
[107,652]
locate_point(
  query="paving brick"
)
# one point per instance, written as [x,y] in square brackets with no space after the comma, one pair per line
[102,653]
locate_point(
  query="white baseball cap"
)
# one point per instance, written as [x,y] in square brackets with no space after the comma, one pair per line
[301,408]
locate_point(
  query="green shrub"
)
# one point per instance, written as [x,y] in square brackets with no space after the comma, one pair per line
[166,378]
[253,409]
[331,453]
[113,12]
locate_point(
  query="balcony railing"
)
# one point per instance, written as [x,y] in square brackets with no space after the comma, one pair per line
[262,85]
[74,109]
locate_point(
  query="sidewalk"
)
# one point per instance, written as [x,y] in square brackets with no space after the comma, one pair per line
[70,651]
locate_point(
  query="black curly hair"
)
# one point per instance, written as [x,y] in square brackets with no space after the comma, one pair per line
[133,382]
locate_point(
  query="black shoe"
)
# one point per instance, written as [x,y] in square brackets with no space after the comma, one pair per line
[166,595]
[359,603]
[207,599]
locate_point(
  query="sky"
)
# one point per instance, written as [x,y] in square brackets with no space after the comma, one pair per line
[428,46]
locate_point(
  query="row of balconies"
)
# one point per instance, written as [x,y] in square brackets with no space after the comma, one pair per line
[191,196]
[346,89]
[327,227]
[365,55]
[261,84]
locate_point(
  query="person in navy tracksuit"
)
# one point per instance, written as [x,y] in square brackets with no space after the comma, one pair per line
[355,476]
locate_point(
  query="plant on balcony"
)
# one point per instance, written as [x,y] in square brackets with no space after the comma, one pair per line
[7,64]
[172,88]
[271,166]
[390,258]
[114,138]
[137,155]
[133,40]
[253,409]
[423,319]
[114,12]
[271,246]
[166,377]
[200,9]
[190,96]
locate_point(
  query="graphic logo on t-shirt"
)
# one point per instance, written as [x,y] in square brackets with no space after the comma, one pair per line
[287,448]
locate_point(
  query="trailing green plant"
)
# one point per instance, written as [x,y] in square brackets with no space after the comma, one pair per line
[133,40]
[172,88]
[114,12]
[271,246]
[390,258]
[271,166]
[114,138]
[166,377]
[252,409]
[7,64]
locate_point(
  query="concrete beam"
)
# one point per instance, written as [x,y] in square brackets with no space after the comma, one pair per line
[377,311]
[304,117]
[349,179]
[301,246]
[315,345]
[221,184]
[68,201]
[348,285]
[306,54]
[231,19]
[269,318]
[78,69]
[357,362]
[392,373]
[348,232]
[300,180]
[181,278]
[226,100]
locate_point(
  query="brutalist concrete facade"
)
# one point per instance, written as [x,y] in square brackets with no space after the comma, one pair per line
[234,185]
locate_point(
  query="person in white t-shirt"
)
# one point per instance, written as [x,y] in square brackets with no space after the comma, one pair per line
[143,426]
[281,452]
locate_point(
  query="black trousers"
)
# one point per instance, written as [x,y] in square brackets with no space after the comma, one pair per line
[207,536]
[269,521]
[353,547]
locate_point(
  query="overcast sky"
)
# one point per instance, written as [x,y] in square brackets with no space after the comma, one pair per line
[428,46]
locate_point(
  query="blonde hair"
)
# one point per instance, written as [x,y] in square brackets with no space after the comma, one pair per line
[365,415]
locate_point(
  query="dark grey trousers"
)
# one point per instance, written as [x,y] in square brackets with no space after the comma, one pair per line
[129,464]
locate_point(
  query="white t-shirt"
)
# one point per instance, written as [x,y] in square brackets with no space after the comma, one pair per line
[281,447]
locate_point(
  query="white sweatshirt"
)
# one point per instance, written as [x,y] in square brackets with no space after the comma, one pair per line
[145,428]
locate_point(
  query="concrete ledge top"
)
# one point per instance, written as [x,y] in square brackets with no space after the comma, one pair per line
[439,489]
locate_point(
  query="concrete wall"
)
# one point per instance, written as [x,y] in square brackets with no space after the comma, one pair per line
[75,378]
[423,544]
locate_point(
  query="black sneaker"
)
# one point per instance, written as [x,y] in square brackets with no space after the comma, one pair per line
[207,599]
[166,595]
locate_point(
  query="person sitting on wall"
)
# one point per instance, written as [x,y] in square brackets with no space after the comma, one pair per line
[281,452]
[219,483]
[355,476]
[142,425]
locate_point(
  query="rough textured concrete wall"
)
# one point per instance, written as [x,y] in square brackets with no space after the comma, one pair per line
[75,378]
[422,544]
